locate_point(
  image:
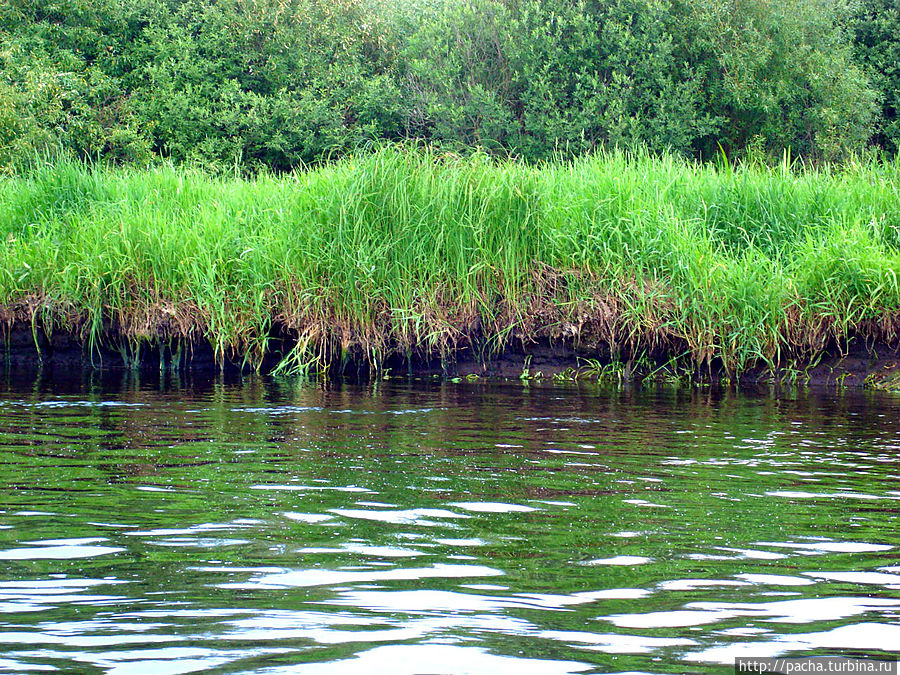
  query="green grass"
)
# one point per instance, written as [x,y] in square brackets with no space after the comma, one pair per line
[403,251]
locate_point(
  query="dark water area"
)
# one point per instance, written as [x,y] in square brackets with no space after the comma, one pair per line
[280,526]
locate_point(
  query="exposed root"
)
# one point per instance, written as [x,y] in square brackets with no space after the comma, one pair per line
[310,332]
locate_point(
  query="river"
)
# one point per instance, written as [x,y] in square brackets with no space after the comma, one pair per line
[162,526]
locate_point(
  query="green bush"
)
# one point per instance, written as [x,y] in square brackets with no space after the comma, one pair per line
[266,82]
[781,75]
[542,76]
[876,32]
[276,84]
[595,73]
[60,84]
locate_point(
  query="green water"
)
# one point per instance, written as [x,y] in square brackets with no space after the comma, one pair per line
[419,527]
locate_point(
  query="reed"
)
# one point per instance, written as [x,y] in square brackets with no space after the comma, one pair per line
[405,251]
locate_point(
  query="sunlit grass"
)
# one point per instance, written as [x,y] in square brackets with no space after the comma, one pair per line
[404,251]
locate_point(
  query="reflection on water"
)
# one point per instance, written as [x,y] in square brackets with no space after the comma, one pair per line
[281,527]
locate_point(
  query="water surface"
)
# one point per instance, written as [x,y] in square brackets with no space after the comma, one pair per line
[276,527]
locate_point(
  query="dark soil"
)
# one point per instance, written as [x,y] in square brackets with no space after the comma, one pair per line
[854,365]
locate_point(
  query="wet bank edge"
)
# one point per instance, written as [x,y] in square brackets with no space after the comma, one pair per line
[857,363]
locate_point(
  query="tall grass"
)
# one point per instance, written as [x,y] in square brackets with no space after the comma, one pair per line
[405,251]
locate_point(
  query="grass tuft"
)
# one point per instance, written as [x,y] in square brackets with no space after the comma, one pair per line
[404,251]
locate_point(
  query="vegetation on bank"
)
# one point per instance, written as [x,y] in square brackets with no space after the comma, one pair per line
[410,252]
[279,84]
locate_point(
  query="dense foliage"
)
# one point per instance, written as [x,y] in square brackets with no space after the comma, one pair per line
[407,252]
[282,83]
[876,25]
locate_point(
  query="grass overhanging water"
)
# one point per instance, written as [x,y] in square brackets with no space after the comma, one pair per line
[405,251]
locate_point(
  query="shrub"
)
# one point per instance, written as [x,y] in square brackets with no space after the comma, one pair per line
[876,32]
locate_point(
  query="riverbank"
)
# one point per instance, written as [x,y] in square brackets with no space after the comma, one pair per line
[875,366]
[403,256]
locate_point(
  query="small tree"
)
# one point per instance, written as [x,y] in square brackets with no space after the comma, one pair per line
[781,74]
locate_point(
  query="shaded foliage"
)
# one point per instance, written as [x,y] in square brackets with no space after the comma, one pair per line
[275,84]
[781,75]
[876,38]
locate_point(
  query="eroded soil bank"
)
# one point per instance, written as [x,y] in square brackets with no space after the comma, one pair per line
[857,364]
